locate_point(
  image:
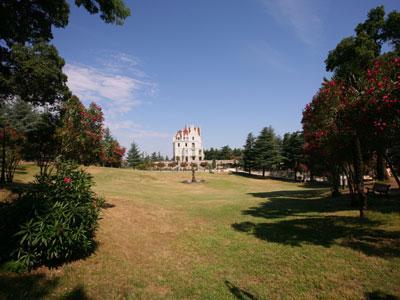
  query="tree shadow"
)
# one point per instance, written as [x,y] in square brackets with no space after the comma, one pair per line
[306,218]
[298,202]
[327,231]
[295,203]
[78,293]
[27,286]
[377,295]
[238,292]
[107,205]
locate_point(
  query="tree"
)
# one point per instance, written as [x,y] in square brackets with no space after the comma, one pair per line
[266,150]
[71,132]
[112,152]
[17,118]
[225,153]
[92,134]
[42,145]
[154,157]
[35,75]
[292,150]
[249,153]
[134,158]
[25,29]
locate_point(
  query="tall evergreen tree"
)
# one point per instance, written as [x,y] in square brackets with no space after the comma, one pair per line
[292,150]
[248,153]
[267,155]
[134,157]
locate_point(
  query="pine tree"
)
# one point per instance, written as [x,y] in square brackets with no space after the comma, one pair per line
[154,157]
[266,149]
[134,157]
[248,153]
[292,150]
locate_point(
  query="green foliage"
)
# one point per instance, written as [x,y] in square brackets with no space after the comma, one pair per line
[37,75]
[62,220]
[225,153]
[266,150]
[112,152]
[354,54]
[134,157]
[292,149]
[30,67]
[248,153]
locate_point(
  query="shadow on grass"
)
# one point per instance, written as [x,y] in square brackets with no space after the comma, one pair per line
[304,222]
[380,296]
[298,202]
[107,205]
[27,286]
[78,293]
[238,292]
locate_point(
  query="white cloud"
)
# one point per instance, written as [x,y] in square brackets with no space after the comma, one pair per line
[127,131]
[118,84]
[303,16]
[116,93]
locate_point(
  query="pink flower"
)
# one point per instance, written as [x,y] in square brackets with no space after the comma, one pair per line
[67,180]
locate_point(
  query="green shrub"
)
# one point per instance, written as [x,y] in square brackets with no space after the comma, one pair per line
[62,221]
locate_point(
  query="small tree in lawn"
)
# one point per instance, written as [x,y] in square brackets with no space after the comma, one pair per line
[134,157]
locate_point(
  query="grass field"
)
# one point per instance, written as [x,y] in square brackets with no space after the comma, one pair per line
[231,237]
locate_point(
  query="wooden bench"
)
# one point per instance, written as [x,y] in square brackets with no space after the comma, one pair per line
[380,188]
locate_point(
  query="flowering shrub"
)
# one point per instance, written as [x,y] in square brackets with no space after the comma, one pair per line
[63,218]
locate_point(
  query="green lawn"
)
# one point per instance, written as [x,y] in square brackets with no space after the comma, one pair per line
[231,237]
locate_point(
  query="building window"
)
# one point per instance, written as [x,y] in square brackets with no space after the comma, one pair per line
[192,144]
[185,144]
[199,157]
[179,144]
[192,138]
[193,157]
[199,152]
[187,159]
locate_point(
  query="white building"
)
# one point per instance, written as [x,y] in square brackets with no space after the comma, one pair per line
[187,145]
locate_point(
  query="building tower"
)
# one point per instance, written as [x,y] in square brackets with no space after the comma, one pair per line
[187,145]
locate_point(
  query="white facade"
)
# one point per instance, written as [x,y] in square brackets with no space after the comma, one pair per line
[187,145]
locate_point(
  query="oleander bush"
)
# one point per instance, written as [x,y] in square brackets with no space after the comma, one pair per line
[62,220]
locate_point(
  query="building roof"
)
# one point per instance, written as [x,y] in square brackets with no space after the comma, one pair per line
[187,130]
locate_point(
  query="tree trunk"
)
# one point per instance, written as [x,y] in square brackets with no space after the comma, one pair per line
[263,172]
[358,176]
[3,160]
[350,180]
[335,182]
[380,166]
[392,169]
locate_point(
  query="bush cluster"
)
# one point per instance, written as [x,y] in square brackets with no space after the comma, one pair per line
[62,221]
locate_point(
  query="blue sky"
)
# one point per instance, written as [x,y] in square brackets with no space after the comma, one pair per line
[229,66]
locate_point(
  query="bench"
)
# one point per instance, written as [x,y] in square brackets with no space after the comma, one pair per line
[380,188]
